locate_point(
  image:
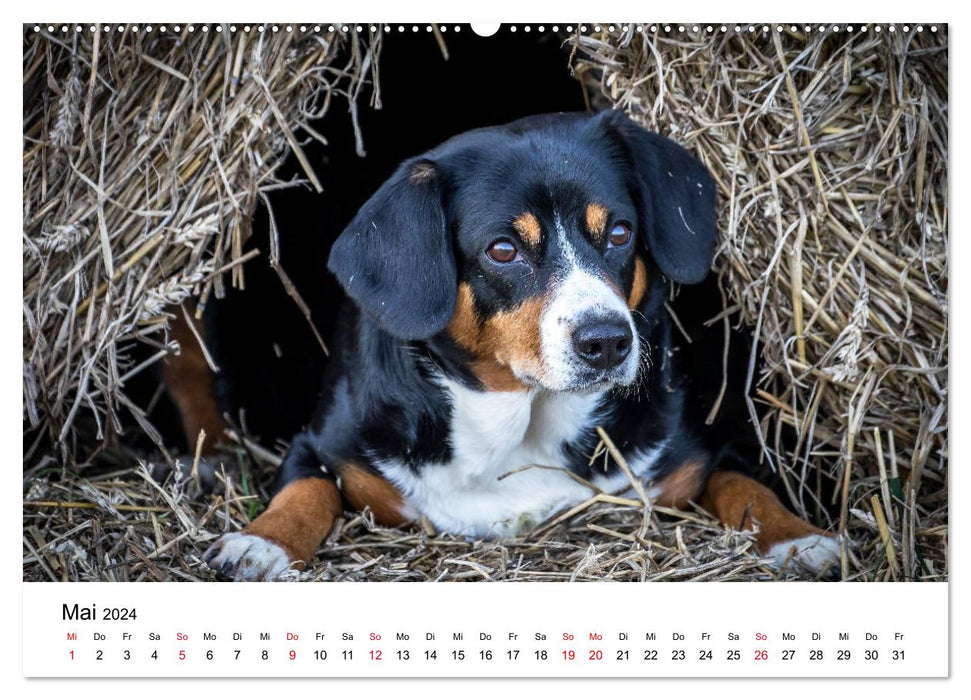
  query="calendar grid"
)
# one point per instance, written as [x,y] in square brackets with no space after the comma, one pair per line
[495,630]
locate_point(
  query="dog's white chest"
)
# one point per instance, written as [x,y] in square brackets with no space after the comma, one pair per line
[506,472]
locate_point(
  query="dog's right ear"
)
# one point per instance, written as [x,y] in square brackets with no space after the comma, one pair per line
[395,258]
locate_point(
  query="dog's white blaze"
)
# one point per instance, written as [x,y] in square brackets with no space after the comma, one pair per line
[577,294]
[569,254]
[494,434]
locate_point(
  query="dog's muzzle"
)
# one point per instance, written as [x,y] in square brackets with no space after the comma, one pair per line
[588,336]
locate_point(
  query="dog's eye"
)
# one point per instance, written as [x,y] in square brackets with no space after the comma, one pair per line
[619,235]
[503,251]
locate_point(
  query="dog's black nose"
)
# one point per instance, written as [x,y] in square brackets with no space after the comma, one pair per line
[603,343]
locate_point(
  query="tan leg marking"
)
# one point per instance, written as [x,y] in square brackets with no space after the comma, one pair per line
[499,343]
[527,226]
[362,488]
[190,384]
[681,485]
[299,518]
[639,287]
[741,502]
[596,220]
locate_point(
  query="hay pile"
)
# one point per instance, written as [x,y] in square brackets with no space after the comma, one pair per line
[830,151]
[146,150]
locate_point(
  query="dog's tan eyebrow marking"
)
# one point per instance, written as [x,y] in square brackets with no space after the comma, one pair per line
[527,226]
[596,217]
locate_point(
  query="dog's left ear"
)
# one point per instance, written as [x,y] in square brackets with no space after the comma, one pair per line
[677,199]
[395,258]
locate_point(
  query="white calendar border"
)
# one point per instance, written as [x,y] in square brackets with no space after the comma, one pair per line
[507,11]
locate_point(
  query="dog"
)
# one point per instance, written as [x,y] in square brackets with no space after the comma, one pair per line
[505,298]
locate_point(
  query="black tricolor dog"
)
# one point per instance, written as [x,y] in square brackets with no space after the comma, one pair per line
[507,297]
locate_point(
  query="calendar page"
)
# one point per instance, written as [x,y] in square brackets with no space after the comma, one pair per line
[541,349]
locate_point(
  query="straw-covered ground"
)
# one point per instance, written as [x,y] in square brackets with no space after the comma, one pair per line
[125,526]
[144,156]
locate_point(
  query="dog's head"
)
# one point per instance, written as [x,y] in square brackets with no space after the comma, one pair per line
[529,246]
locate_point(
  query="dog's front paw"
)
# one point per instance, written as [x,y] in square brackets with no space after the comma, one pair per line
[819,554]
[243,557]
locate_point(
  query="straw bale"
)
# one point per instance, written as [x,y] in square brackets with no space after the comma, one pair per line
[830,153]
[145,153]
